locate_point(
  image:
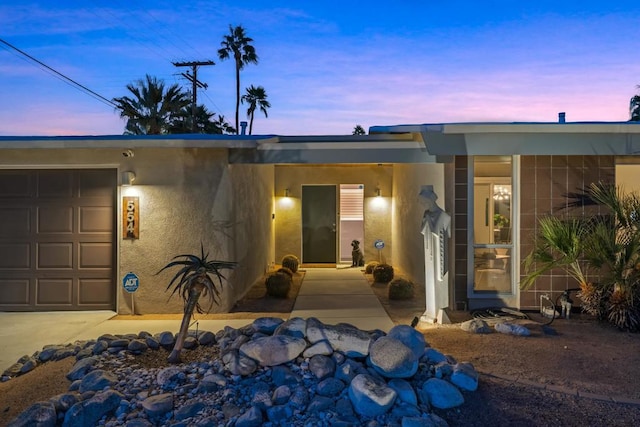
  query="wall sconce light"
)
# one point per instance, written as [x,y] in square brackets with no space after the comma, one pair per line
[378,192]
[127,178]
[286,192]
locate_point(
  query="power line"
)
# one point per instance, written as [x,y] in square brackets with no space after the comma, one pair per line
[68,79]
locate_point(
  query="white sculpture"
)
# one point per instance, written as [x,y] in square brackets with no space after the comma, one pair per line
[436,229]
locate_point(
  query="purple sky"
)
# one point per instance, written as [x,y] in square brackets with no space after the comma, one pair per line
[326,66]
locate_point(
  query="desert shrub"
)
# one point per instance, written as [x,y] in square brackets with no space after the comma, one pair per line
[401,289]
[291,262]
[383,273]
[624,311]
[279,283]
[368,269]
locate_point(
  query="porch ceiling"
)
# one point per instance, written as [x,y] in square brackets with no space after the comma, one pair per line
[597,138]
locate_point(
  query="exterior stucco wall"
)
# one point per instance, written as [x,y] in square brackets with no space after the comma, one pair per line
[186,197]
[377,213]
[253,225]
[408,210]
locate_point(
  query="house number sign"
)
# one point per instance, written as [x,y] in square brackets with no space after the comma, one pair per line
[130,218]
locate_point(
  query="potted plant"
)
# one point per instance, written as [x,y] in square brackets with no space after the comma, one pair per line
[197,276]
[501,223]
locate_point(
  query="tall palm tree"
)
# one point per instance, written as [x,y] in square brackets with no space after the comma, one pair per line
[255,97]
[152,108]
[197,277]
[238,46]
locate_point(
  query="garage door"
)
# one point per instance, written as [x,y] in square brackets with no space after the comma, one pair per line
[57,239]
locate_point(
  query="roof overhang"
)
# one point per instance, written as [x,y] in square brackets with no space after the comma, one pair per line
[588,138]
[396,148]
[422,143]
[132,141]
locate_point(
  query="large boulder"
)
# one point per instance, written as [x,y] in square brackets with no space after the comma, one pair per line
[476,326]
[41,414]
[89,412]
[512,329]
[442,394]
[294,327]
[371,396]
[274,350]
[409,337]
[465,376]
[392,359]
[343,337]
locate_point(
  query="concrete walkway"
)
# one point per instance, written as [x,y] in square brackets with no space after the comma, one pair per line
[329,294]
[340,295]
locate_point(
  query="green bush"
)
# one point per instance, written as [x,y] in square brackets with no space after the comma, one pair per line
[401,289]
[368,269]
[278,284]
[383,273]
[291,262]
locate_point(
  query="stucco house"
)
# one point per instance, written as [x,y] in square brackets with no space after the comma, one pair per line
[78,214]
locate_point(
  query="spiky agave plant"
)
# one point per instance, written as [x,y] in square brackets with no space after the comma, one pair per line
[197,277]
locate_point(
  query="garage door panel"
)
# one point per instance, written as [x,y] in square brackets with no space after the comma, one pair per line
[95,291]
[57,239]
[92,184]
[15,256]
[95,255]
[54,292]
[14,292]
[15,222]
[55,183]
[55,255]
[96,219]
[15,184]
[55,219]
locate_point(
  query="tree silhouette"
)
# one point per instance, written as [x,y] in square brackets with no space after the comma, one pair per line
[151,109]
[238,46]
[255,97]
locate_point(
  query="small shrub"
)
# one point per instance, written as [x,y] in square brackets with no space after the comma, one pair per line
[278,284]
[401,289]
[368,269]
[383,273]
[291,262]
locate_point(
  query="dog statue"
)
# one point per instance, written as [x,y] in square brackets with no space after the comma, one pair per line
[357,258]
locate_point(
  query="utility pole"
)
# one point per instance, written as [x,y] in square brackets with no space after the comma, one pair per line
[193,78]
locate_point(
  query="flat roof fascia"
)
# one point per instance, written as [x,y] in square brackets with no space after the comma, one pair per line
[133,141]
[587,138]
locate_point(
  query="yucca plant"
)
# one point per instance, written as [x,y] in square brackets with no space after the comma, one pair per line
[198,276]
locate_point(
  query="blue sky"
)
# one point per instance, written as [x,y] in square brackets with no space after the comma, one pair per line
[326,65]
